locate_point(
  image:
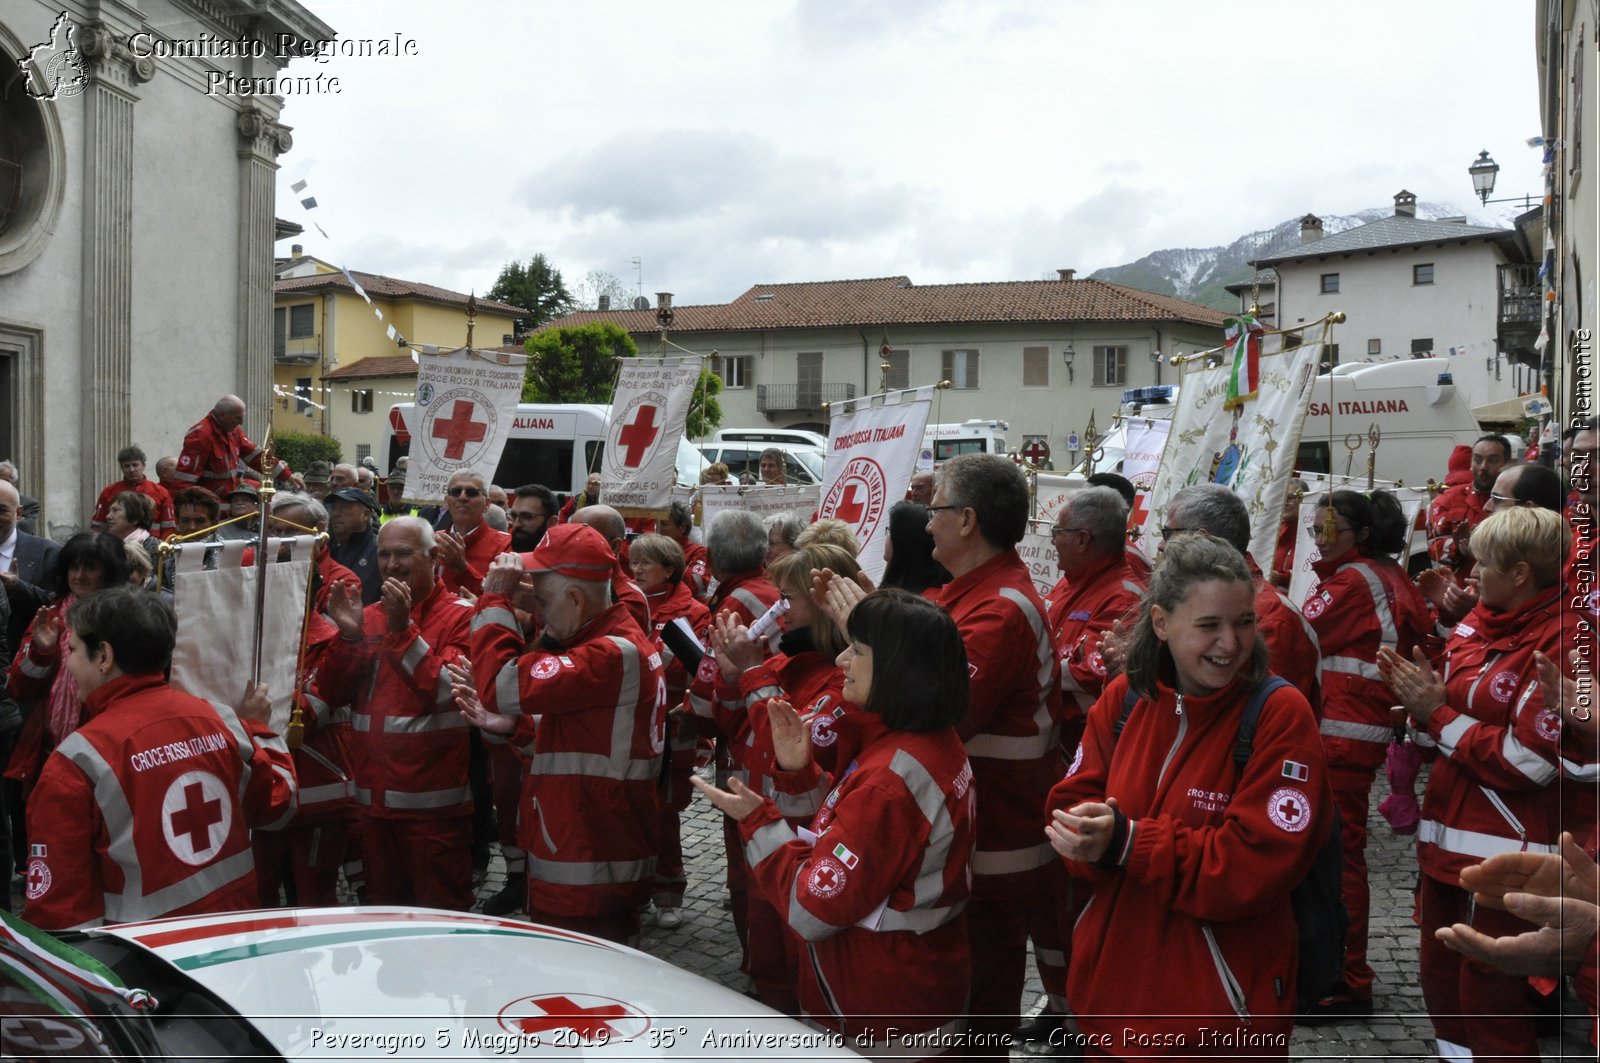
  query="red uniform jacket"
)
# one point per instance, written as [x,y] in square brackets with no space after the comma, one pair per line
[1451,516]
[1081,610]
[1491,790]
[146,809]
[483,545]
[409,742]
[666,605]
[1292,649]
[1010,727]
[218,460]
[696,568]
[165,522]
[877,899]
[596,711]
[630,594]
[746,596]
[332,572]
[322,763]
[1203,873]
[1359,605]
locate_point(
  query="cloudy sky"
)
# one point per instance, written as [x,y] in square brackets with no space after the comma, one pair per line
[728,143]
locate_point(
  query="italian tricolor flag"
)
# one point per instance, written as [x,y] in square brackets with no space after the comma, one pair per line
[1242,335]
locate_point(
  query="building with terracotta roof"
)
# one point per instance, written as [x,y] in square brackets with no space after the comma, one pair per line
[1417,287]
[1040,355]
[337,370]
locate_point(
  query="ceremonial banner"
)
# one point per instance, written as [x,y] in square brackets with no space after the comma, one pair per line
[216,621]
[1147,439]
[465,402]
[1249,448]
[1038,552]
[1050,491]
[872,451]
[796,500]
[648,412]
[1303,577]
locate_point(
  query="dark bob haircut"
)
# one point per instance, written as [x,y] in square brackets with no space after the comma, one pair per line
[919,665]
[101,550]
[1379,522]
[140,628]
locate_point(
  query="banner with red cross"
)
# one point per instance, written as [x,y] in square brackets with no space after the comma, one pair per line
[873,444]
[465,402]
[640,466]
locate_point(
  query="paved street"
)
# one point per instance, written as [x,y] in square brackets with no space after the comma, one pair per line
[1399,1029]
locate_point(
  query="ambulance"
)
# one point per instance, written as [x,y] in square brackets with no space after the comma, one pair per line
[941,442]
[554,444]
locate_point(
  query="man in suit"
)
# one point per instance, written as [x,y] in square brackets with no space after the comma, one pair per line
[30,506]
[25,564]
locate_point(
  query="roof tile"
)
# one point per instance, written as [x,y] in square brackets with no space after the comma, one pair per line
[1396,230]
[380,287]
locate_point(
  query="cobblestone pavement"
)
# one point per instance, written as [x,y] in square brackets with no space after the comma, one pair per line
[1399,1028]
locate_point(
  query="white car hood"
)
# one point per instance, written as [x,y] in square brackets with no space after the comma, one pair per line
[407,983]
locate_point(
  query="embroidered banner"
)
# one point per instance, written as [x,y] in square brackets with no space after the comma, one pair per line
[873,445]
[648,412]
[465,402]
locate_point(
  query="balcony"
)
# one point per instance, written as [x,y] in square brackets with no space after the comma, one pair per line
[787,398]
[1521,308]
[306,350]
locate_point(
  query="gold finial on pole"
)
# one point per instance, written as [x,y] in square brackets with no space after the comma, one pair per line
[472,315]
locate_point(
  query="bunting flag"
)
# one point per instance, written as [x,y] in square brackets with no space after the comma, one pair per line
[873,445]
[1252,451]
[308,203]
[1242,336]
[57,969]
[649,409]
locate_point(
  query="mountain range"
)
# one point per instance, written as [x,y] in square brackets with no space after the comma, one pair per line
[1200,273]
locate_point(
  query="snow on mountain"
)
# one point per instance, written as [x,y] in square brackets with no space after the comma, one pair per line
[1200,273]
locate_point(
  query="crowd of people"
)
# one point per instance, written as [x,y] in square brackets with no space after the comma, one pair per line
[919,778]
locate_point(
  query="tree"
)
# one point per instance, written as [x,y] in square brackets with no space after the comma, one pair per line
[596,283]
[705,412]
[575,363]
[537,287]
[300,449]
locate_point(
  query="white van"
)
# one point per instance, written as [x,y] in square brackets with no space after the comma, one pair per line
[554,444]
[777,437]
[941,442]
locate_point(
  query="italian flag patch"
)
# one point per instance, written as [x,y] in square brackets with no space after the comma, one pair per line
[845,856]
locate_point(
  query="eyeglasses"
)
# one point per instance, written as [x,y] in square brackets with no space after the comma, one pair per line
[1056,533]
[1168,531]
[940,509]
[1503,500]
[1320,531]
[460,492]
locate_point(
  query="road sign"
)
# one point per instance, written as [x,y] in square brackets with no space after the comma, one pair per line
[1073,443]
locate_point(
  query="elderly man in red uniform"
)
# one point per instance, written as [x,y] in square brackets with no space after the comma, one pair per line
[609,523]
[468,546]
[131,460]
[410,744]
[596,687]
[1457,510]
[979,514]
[217,454]
[146,809]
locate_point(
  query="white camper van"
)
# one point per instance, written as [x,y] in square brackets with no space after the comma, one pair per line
[941,442]
[553,444]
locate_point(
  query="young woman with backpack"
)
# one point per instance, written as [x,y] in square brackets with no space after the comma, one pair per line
[1188,946]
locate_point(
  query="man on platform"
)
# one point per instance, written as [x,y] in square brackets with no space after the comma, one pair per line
[409,750]
[217,454]
[131,460]
[596,686]
[467,546]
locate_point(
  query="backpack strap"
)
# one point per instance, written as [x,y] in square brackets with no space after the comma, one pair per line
[1127,710]
[1244,741]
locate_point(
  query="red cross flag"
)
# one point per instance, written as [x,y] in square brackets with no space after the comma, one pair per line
[873,444]
[465,403]
[648,412]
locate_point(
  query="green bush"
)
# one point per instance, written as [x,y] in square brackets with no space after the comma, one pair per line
[300,449]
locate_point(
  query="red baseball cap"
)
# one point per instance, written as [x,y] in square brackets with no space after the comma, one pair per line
[575,550]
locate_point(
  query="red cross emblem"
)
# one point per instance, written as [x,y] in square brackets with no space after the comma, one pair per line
[857,497]
[827,877]
[595,1020]
[852,505]
[1037,451]
[1289,810]
[459,429]
[638,436]
[38,879]
[38,1034]
[196,814]
[1137,516]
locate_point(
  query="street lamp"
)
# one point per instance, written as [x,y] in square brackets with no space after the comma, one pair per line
[1483,174]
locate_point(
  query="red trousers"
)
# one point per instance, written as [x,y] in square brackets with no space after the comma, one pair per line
[621,928]
[1352,792]
[1003,912]
[313,855]
[424,862]
[1471,1003]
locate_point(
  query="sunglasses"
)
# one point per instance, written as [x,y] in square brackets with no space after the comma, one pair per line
[466,492]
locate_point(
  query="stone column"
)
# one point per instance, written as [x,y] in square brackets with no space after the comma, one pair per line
[262,140]
[107,296]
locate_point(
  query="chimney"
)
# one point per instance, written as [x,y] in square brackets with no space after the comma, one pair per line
[663,300]
[1405,204]
[295,250]
[1067,274]
[604,303]
[1310,228]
